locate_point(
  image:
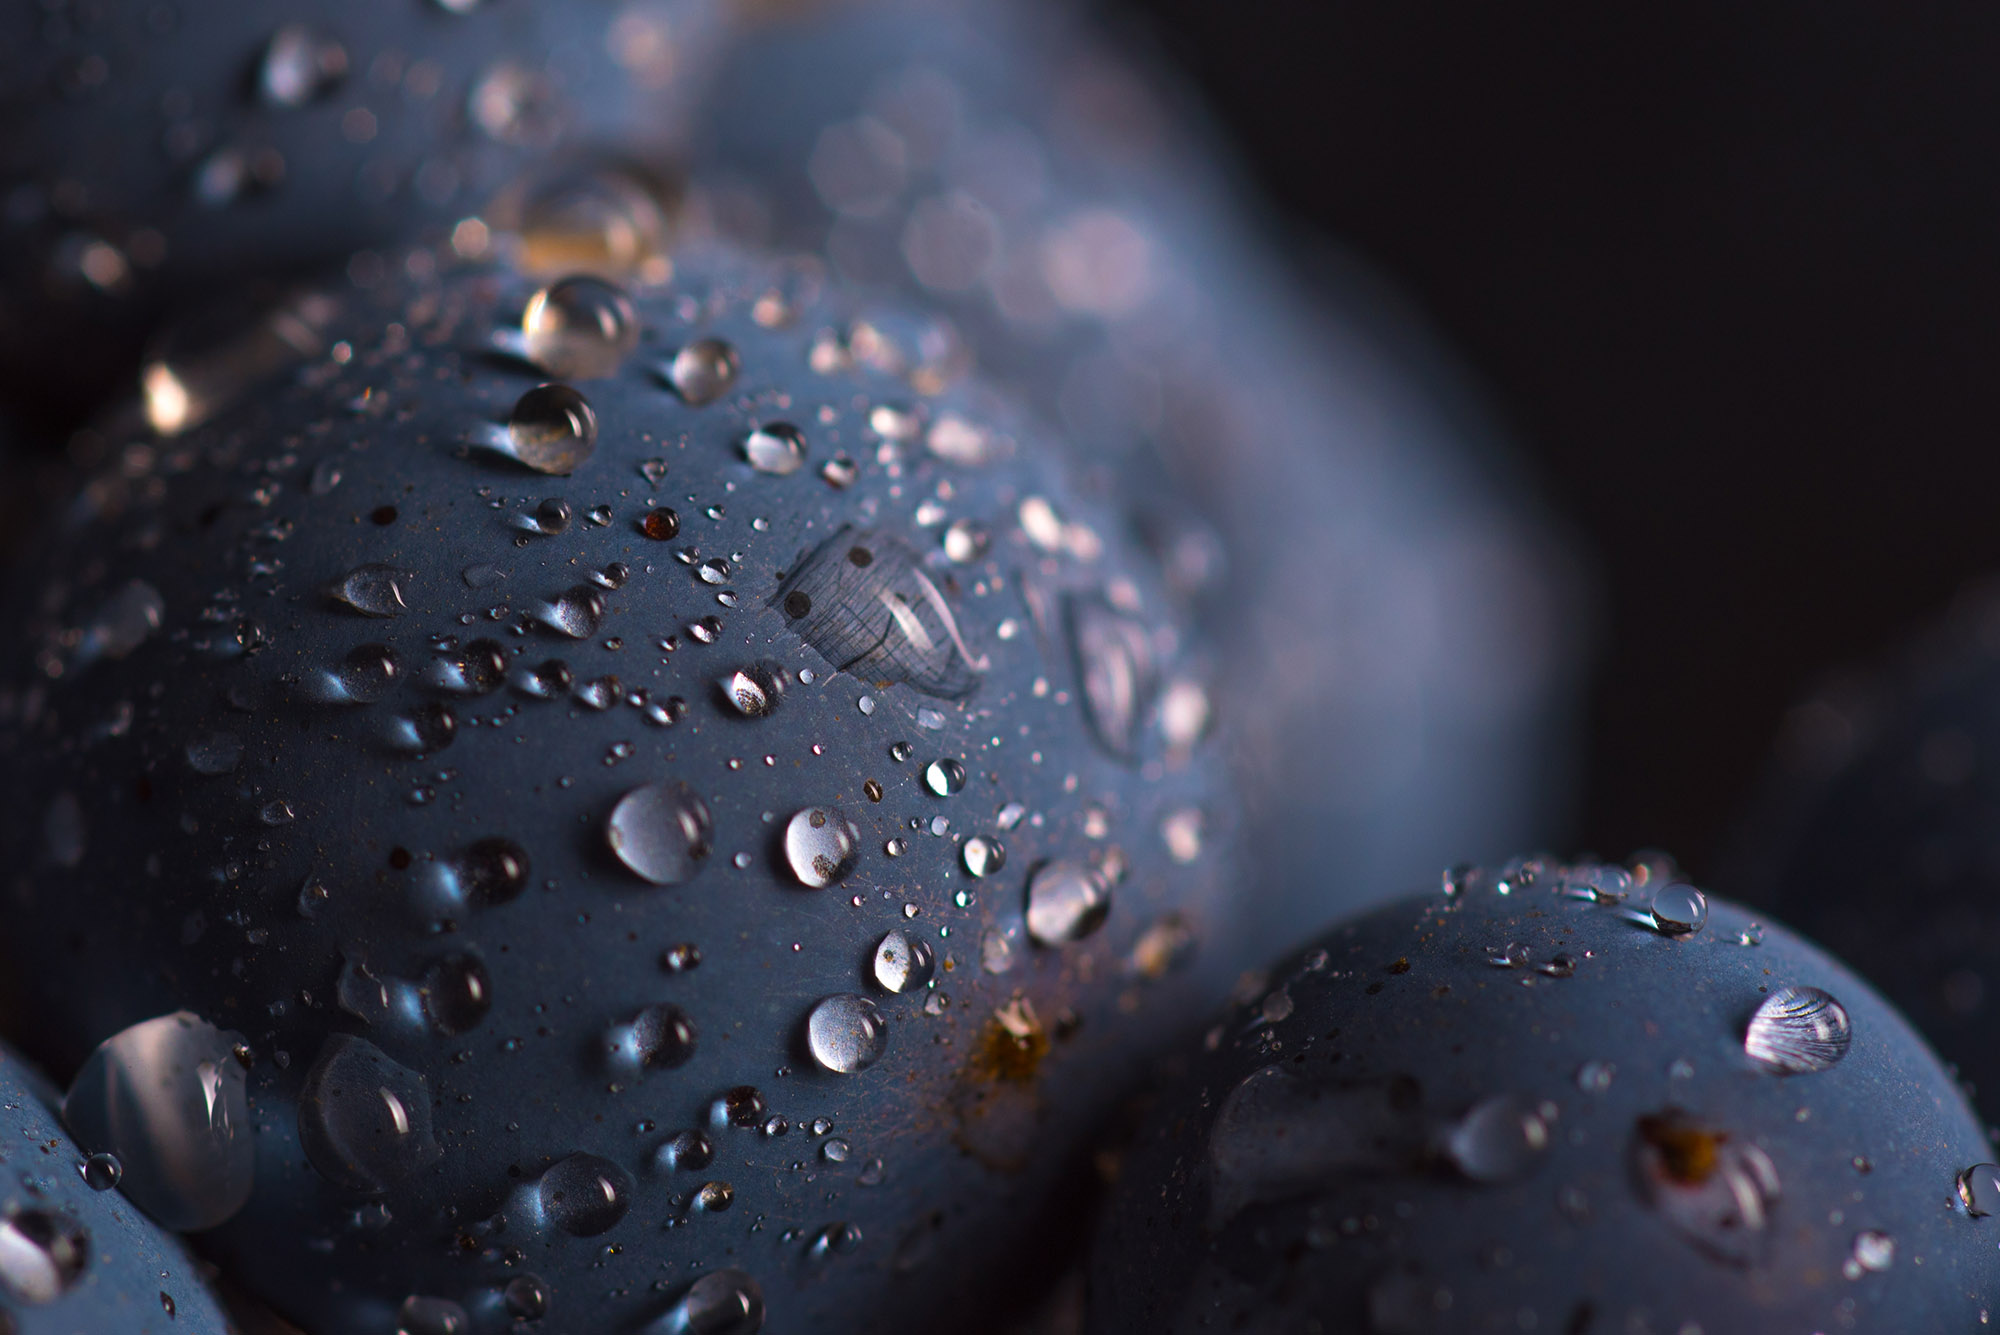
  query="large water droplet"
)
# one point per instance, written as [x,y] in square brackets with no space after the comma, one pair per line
[167,1097]
[1979,1189]
[552,430]
[862,600]
[1798,1030]
[375,590]
[658,1038]
[661,832]
[1679,909]
[364,1120]
[1717,1191]
[585,1195]
[1501,1139]
[821,844]
[1115,669]
[457,992]
[300,66]
[847,1033]
[1066,902]
[42,1255]
[902,963]
[727,1302]
[581,328]
[703,371]
[778,449]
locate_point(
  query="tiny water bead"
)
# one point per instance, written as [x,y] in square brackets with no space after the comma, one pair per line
[552,429]
[1066,902]
[725,1302]
[375,590]
[1979,1189]
[982,856]
[584,1195]
[167,1097]
[364,1120]
[847,1033]
[778,449]
[580,328]
[1500,1139]
[658,1038]
[42,1256]
[945,776]
[902,962]
[703,371]
[1798,1030]
[1679,909]
[661,832]
[821,846]
[863,602]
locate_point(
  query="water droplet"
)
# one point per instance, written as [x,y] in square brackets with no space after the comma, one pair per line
[982,856]
[585,1195]
[513,104]
[1874,1252]
[686,1149]
[1717,1191]
[580,328]
[1501,1139]
[964,542]
[1562,964]
[1679,909]
[167,1097]
[902,963]
[120,624]
[847,1033]
[714,1197]
[661,832]
[1798,1030]
[1115,669]
[552,430]
[527,1297]
[835,1240]
[660,524]
[741,1105]
[1594,1077]
[551,516]
[576,614]
[420,1315]
[1979,1189]
[364,1120]
[839,471]
[101,1171]
[428,727]
[491,871]
[862,600]
[658,1038]
[299,66]
[821,844]
[367,672]
[834,1150]
[726,1302]
[1066,902]
[457,992]
[944,776]
[778,449]
[216,753]
[375,590]
[756,690]
[42,1255]
[703,371]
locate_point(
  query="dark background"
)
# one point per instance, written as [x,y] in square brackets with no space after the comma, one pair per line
[1732,275]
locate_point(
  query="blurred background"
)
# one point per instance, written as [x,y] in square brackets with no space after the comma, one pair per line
[1731,275]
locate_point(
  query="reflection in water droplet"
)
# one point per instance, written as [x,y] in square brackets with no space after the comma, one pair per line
[375,590]
[457,992]
[167,1097]
[727,1302]
[1717,1191]
[584,1195]
[778,449]
[42,1255]
[1501,1139]
[364,1120]
[1679,909]
[1115,669]
[581,328]
[847,1033]
[703,371]
[661,832]
[1979,1189]
[1066,902]
[821,844]
[658,1038]
[551,429]
[902,963]
[862,600]
[1798,1030]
